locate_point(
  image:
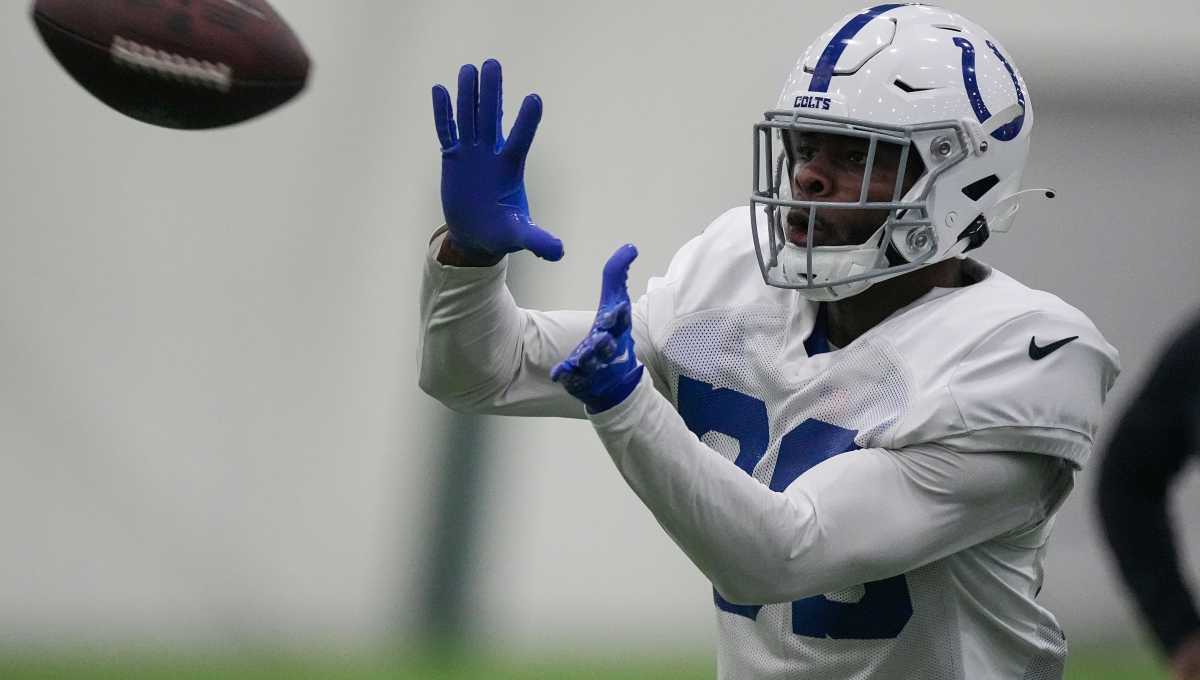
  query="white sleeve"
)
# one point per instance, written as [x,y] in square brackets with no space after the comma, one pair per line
[853,519]
[481,353]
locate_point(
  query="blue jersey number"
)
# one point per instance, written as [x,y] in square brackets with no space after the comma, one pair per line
[885,607]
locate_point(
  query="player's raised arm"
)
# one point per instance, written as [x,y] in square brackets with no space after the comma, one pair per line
[480,352]
[483,174]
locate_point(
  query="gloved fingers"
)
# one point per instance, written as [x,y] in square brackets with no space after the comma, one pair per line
[443,117]
[490,105]
[541,242]
[589,361]
[562,370]
[468,101]
[614,320]
[624,318]
[594,372]
[569,372]
[520,138]
[609,318]
[587,357]
[605,318]
[606,347]
[616,273]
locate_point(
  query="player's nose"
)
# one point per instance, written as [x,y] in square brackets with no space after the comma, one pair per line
[812,180]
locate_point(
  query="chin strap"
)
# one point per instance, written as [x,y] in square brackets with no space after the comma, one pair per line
[1000,217]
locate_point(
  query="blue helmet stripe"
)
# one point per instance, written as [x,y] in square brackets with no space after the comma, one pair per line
[823,71]
[1009,131]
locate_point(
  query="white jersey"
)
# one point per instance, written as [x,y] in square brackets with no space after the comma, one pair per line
[959,366]
[875,511]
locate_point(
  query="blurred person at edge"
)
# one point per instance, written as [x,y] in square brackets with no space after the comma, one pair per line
[860,436]
[1156,437]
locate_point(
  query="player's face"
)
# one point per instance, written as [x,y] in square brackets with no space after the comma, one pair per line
[830,167]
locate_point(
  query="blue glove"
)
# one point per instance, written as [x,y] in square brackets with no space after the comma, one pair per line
[483,176]
[603,369]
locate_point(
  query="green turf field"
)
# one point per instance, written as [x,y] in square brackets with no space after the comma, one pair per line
[1093,664]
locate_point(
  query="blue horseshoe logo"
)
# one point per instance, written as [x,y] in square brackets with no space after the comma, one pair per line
[1009,131]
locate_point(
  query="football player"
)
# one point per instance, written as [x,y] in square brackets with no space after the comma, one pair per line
[858,434]
[1147,453]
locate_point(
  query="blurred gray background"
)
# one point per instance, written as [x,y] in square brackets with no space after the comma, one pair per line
[210,429]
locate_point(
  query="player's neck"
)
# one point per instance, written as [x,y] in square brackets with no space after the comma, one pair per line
[854,316]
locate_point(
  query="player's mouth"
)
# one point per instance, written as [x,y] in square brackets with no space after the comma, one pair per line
[797,233]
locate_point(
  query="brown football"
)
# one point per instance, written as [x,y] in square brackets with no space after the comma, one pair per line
[189,64]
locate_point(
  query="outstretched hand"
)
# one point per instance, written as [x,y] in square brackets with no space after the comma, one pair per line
[483,175]
[603,369]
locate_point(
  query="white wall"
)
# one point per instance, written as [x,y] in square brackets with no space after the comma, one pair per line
[209,423]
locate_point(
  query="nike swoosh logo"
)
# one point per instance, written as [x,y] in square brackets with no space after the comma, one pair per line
[1038,353]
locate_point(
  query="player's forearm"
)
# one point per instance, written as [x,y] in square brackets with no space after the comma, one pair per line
[854,519]
[755,545]
[734,529]
[481,353]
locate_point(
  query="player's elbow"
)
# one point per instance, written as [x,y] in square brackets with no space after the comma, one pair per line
[435,384]
[741,591]
[747,591]
[777,563]
[761,578]
[762,585]
[458,405]
[788,576]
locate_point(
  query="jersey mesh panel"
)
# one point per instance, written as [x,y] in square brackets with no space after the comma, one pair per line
[1050,662]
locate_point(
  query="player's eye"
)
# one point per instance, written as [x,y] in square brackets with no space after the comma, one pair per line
[804,152]
[856,157]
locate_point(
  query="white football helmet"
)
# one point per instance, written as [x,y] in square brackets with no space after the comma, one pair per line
[928,80]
